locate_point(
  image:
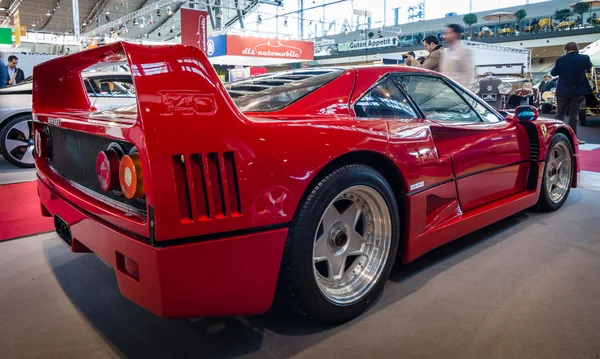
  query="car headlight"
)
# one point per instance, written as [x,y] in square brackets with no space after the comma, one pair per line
[504,88]
[474,87]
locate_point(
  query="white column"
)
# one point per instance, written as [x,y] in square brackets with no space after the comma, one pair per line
[385,12]
[76,20]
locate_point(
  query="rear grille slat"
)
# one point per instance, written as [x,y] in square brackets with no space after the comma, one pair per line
[215,184]
[199,188]
[182,187]
[73,157]
[231,183]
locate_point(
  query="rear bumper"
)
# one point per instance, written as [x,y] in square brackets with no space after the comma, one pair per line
[222,277]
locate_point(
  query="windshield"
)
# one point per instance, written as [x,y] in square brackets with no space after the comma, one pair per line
[276,92]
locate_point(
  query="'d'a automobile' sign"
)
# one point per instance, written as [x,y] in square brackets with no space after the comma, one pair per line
[367,44]
[273,48]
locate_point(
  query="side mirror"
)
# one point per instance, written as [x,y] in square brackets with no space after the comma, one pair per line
[526,113]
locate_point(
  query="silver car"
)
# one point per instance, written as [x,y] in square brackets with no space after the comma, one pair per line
[107,90]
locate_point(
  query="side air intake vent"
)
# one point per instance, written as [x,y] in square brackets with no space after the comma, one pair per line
[534,142]
[207,186]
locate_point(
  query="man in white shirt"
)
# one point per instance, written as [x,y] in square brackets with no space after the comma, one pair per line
[15,75]
[456,62]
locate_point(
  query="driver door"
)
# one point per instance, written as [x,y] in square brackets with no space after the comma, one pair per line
[490,156]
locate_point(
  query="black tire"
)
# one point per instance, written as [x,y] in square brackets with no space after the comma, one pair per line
[582,117]
[545,203]
[3,134]
[297,285]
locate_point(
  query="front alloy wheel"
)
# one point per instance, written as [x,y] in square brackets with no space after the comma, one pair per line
[558,174]
[341,245]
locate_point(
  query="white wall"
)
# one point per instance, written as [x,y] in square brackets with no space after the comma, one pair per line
[542,64]
[27,62]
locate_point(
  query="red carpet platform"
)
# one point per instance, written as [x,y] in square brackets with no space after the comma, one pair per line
[20,213]
[590,160]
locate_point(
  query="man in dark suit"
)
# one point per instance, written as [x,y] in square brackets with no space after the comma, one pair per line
[572,86]
[547,84]
[15,75]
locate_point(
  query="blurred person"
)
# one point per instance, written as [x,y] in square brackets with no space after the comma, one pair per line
[572,85]
[421,60]
[456,62]
[547,84]
[432,61]
[15,75]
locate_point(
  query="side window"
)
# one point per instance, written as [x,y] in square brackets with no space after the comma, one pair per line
[437,99]
[385,101]
[481,110]
[113,88]
[89,88]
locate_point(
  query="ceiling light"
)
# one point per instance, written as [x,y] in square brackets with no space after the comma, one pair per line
[48,13]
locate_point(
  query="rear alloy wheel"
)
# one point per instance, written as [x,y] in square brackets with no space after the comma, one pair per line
[342,245]
[17,141]
[558,174]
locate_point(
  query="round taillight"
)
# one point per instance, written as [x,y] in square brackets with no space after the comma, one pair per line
[41,143]
[107,170]
[130,176]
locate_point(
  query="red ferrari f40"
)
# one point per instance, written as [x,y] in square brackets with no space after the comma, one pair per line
[211,199]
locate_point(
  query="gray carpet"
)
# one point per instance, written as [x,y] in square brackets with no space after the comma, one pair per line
[10,173]
[527,287]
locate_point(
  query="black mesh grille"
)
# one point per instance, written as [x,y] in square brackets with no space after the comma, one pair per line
[73,156]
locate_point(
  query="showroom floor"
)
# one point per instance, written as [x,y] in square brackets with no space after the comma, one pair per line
[522,288]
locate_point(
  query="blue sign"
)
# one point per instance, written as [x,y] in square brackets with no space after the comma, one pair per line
[217,46]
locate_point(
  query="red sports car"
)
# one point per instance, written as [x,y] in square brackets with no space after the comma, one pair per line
[310,184]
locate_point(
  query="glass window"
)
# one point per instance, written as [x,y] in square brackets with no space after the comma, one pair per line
[481,110]
[110,87]
[385,101]
[437,99]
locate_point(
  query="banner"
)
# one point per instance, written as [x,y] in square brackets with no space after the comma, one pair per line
[194,28]
[367,44]
[273,48]
[17,28]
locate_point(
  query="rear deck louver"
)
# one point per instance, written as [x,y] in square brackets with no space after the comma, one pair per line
[207,186]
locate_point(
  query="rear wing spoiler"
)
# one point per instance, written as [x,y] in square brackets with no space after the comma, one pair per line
[169,81]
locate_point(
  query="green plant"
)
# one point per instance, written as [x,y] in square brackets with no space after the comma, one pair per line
[581,8]
[520,15]
[371,34]
[560,15]
[470,20]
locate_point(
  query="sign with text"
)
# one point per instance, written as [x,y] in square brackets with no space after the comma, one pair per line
[367,44]
[194,28]
[273,48]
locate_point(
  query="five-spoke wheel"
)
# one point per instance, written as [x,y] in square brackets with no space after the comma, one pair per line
[558,174]
[352,243]
[341,245]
